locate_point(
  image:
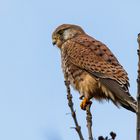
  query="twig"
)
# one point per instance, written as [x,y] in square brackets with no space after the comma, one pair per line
[138,92]
[89,121]
[70,103]
[112,134]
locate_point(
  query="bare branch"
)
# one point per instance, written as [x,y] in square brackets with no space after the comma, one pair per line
[70,103]
[138,92]
[89,121]
[112,134]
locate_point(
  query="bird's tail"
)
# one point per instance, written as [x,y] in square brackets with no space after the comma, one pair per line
[122,96]
[129,104]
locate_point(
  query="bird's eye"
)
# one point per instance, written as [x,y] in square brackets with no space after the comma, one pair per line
[60,32]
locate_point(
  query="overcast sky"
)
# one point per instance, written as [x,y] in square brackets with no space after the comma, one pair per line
[33,103]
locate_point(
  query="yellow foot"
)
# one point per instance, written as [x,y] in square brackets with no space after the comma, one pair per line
[84,103]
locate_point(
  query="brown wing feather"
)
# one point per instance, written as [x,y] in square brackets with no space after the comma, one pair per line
[86,58]
[103,52]
[97,47]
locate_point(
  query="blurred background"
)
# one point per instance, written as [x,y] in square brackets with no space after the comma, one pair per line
[33,104]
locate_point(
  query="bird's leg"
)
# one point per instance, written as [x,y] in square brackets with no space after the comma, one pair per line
[84,103]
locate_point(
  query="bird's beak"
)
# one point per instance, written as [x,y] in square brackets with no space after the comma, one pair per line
[53,41]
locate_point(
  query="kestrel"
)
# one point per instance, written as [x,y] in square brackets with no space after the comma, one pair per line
[91,68]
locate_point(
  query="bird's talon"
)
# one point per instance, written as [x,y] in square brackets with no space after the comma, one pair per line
[84,103]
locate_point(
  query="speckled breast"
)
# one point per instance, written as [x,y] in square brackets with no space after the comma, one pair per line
[79,79]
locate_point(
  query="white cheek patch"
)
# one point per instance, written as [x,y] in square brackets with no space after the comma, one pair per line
[67,34]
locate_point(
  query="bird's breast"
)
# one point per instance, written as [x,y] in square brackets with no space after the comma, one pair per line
[88,85]
[80,80]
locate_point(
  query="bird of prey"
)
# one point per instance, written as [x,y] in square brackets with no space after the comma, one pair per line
[91,68]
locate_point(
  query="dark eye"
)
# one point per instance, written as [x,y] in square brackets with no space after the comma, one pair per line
[60,32]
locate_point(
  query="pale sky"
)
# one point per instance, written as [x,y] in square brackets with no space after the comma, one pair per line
[33,104]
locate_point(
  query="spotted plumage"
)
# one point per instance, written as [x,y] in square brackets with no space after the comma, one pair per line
[91,67]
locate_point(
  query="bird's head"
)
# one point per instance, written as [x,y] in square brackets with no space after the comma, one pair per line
[65,32]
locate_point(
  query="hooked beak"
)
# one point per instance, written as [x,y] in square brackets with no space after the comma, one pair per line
[53,41]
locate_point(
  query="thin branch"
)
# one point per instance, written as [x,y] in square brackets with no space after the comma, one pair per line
[112,134]
[89,121]
[138,92]
[70,103]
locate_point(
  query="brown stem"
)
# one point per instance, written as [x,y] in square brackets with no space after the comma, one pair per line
[70,103]
[89,121]
[138,92]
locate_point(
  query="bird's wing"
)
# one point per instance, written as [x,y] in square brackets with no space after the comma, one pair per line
[97,47]
[97,59]
[109,72]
